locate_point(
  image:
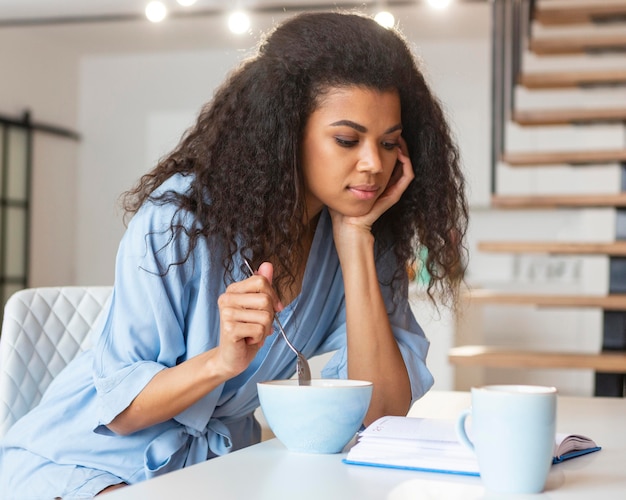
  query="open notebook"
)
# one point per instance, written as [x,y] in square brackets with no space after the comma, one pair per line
[431,445]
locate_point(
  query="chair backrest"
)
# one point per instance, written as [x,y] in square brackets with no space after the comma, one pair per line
[42,331]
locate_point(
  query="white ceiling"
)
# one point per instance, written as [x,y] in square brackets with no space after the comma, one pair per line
[76,23]
[43,9]
[53,22]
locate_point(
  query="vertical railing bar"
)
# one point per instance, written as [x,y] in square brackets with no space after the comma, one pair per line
[507,57]
[28,205]
[497,86]
[3,213]
[514,51]
[532,7]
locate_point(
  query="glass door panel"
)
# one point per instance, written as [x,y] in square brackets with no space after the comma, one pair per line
[15,251]
[17,164]
[15,154]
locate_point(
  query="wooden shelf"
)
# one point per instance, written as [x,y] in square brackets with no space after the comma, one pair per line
[613,302]
[569,116]
[613,248]
[569,79]
[519,159]
[559,201]
[594,11]
[499,357]
[577,45]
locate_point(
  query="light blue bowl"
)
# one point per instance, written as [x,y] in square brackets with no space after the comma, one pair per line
[320,418]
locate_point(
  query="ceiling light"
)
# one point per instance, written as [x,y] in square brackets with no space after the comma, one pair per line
[385,19]
[156,11]
[239,22]
[439,4]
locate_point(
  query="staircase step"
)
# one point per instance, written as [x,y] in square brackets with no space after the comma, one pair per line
[568,79]
[612,302]
[569,116]
[594,11]
[523,159]
[577,45]
[559,201]
[613,248]
[501,357]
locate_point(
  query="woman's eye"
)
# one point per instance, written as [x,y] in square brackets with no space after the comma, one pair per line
[346,143]
[390,145]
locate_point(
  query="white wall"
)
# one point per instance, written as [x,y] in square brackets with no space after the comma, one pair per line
[133,109]
[41,76]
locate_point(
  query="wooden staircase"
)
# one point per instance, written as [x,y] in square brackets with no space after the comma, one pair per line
[595,11]
[567,79]
[564,157]
[560,201]
[609,363]
[498,357]
[612,248]
[575,45]
[570,116]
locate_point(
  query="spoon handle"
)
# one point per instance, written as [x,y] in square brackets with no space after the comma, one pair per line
[302,365]
[282,332]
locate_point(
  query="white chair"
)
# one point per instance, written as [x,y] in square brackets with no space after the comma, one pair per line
[42,331]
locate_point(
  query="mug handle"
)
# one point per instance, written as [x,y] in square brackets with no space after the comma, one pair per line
[460,428]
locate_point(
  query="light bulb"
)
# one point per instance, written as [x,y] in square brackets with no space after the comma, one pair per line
[439,4]
[239,22]
[156,11]
[385,19]
[186,3]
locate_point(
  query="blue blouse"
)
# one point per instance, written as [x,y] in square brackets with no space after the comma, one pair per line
[161,315]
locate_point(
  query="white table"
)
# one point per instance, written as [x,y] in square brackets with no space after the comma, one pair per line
[269,471]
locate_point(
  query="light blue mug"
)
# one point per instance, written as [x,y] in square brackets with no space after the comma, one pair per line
[513,431]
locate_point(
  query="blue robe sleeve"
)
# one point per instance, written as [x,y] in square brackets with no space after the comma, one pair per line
[144,331]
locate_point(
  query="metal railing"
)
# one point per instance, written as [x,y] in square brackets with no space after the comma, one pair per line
[511,24]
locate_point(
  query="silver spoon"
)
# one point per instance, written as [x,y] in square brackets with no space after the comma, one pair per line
[302,365]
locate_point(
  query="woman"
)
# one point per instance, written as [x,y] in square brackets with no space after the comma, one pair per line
[326,161]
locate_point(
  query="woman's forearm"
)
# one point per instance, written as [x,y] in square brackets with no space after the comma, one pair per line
[373,352]
[170,391]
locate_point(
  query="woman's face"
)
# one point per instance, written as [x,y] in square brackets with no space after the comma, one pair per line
[350,149]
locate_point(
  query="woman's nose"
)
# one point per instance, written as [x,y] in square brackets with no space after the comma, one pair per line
[370,160]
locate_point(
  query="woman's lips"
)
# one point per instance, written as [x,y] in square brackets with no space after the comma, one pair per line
[365,192]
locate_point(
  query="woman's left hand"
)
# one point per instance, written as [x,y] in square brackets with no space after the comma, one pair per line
[400,179]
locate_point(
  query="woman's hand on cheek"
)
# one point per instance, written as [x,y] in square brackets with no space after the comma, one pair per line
[399,181]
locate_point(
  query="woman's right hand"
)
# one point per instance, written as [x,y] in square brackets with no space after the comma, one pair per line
[246,315]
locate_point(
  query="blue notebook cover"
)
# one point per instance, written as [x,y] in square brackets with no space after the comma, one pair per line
[573,454]
[406,467]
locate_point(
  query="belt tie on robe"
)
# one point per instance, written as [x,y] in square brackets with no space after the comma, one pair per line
[182,446]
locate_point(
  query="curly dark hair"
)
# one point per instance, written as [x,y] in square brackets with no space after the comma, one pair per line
[243,152]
